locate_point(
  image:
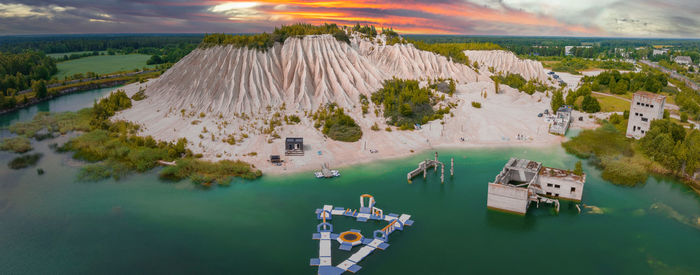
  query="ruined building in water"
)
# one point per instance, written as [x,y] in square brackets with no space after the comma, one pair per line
[522,182]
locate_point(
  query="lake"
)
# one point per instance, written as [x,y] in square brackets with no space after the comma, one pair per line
[52,223]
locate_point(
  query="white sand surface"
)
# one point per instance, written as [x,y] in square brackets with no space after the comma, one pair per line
[239,90]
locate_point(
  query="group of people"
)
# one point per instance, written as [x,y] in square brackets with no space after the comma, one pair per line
[521,137]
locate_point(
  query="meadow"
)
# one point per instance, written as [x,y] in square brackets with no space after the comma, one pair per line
[102,64]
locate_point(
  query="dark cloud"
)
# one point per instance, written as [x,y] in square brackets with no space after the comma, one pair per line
[502,17]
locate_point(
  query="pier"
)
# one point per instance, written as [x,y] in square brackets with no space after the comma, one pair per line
[423,167]
[353,237]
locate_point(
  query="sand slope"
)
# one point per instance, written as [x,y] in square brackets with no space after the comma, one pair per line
[504,61]
[217,93]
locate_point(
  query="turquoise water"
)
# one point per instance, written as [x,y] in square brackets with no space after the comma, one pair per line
[54,224]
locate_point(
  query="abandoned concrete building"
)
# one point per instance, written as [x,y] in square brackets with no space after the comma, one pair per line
[645,108]
[522,182]
[562,120]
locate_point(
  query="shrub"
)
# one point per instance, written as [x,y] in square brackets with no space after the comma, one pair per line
[375,127]
[476,104]
[200,172]
[17,144]
[590,104]
[406,104]
[25,161]
[140,95]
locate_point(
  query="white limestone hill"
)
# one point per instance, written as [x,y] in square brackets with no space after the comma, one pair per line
[220,94]
[309,72]
[505,61]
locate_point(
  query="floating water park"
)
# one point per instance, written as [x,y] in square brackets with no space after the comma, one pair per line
[353,237]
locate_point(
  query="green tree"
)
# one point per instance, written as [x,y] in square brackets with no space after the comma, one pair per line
[39,88]
[557,100]
[590,104]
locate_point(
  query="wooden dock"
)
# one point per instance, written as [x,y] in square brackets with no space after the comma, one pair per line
[423,167]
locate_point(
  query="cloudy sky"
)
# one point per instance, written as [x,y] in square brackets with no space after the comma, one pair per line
[638,18]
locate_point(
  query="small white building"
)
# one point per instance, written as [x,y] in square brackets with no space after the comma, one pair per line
[659,52]
[683,60]
[645,108]
[562,121]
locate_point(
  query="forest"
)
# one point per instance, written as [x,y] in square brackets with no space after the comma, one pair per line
[264,41]
[18,71]
[620,83]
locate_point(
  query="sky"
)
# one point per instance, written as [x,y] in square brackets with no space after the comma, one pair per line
[609,18]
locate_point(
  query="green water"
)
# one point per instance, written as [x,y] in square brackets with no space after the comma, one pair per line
[53,224]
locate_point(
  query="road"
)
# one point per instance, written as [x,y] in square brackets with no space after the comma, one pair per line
[673,74]
[88,79]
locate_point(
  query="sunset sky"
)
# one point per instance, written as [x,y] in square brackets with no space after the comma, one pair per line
[641,18]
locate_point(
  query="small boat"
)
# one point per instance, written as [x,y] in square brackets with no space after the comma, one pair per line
[326,173]
[333,173]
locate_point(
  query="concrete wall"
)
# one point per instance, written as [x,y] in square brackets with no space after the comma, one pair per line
[549,185]
[507,198]
[641,110]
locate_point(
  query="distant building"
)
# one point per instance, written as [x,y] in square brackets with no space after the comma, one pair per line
[658,52]
[645,108]
[567,49]
[294,146]
[683,60]
[522,182]
[562,120]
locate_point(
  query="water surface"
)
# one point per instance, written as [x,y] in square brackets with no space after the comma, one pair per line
[53,224]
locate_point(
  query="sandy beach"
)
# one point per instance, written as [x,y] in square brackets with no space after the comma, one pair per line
[501,120]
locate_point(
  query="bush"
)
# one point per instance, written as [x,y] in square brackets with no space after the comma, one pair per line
[25,161]
[201,172]
[590,104]
[140,95]
[336,124]
[476,104]
[684,117]
[406,104]
[18,144]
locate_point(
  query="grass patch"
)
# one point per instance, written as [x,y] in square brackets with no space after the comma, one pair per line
[102,64]
[54,123]
[18,144]
[608,148]
[612,104]
[25,161]
[205,173]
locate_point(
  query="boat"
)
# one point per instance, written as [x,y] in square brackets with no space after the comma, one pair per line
[326,173]
[333,173]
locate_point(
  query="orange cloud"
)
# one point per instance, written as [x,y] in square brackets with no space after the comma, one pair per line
[404,16]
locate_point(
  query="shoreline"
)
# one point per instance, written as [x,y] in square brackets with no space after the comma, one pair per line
[282,170]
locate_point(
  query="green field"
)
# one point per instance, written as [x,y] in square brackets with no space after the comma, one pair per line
[60,55]
[611,104]
[102,64]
